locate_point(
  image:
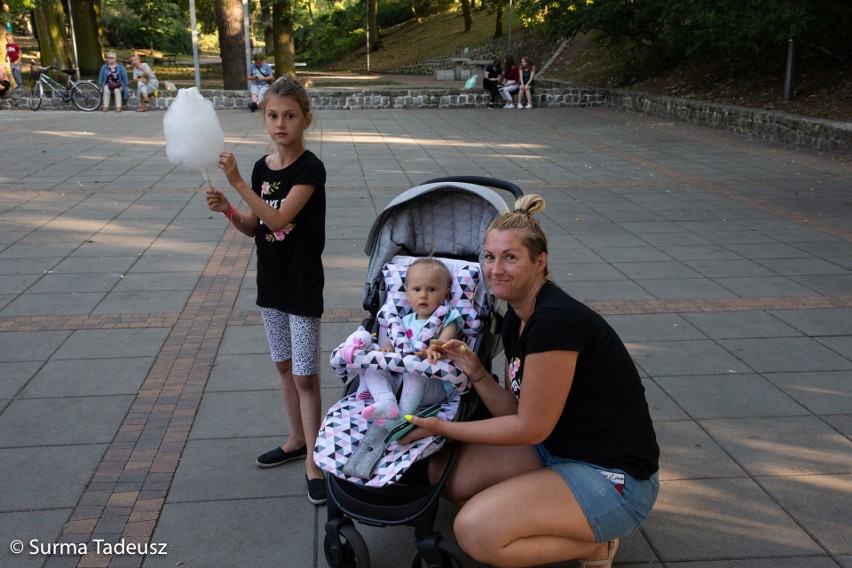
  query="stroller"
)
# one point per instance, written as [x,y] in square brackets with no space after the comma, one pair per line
[447,216]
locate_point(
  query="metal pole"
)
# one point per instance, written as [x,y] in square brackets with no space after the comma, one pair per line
[247,39]
[73,43]
[368,35]
[194,44]
[791,69]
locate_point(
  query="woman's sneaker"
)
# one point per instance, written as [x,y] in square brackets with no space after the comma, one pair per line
[509,105]
[529,105]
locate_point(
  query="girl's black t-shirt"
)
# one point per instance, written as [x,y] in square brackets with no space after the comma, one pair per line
[606,420]
[290,274]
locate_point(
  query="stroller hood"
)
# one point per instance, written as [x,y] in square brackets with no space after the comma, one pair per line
[449,218]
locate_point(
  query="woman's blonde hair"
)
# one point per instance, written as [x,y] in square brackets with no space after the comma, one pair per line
[522,221]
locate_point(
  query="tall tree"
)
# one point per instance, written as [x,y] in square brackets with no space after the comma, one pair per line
[87,34]
[282,38]
[52,43]
[373,25]
[232,45]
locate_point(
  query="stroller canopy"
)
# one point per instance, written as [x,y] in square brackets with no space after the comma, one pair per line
[449,218]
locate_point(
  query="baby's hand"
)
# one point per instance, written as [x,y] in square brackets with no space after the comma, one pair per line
[434,353]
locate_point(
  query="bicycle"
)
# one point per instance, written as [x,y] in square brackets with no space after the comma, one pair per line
[85,95]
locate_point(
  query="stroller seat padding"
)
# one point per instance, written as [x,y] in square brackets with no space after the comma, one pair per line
[344,428]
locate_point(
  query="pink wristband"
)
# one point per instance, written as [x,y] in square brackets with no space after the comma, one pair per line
[230,212]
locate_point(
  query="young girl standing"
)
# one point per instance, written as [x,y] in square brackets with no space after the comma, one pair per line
[286,217]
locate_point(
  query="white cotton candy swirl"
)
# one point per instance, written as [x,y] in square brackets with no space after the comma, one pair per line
[194,137]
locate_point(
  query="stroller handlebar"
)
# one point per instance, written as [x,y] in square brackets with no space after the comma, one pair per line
[481,180]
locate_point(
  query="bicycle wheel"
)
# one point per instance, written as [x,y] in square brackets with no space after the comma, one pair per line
[36,94]
[86,96]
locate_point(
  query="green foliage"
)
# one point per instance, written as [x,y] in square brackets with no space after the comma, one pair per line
[737,35]
[145,23]
[342,28]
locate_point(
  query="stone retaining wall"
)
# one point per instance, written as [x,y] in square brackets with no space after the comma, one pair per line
[815,134]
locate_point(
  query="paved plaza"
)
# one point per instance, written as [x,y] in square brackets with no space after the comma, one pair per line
[136,387]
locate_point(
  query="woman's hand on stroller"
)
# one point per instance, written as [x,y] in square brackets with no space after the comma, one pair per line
[424,427]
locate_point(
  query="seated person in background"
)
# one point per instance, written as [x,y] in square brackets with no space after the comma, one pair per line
[431,322]
[113,79]
[146,81]
[527,82]
[260,75]
[511,81]
[491,81]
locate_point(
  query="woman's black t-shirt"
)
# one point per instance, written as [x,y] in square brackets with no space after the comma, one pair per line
[289,262]
[606,420]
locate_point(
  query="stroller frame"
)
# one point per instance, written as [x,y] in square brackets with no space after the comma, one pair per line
[411,502]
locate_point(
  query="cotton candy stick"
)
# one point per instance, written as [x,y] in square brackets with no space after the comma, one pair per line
[194,137]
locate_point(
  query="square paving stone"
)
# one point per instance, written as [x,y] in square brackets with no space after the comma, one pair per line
[30,345]
[15,375]
[734,325]
[60,421]
[687,452]
[242,373]
[735,395]
[113,343]
[78,282]
[74,303]
[683,358]
[659,327]
[821,393]
[88,377]
[816,502]
[795,445]
[722,519]
[50,477]
[661,405]
[251,532]
[143,301]
[208,469]
[786,354]
[42,526]
[246,339]
[816,323]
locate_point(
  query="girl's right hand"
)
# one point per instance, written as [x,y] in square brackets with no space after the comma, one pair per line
[216,200]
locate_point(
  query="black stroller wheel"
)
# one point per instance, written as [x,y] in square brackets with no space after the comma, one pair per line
[447,561]
[351,552]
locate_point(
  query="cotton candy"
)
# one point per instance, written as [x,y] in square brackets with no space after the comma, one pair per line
[194,137]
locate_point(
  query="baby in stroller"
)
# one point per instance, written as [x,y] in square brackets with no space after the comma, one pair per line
[430,324]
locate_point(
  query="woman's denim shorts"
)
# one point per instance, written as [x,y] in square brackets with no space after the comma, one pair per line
[614,503]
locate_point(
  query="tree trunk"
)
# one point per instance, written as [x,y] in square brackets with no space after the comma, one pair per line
[498,26]
[373,24]
[232,45]
[466,12]
[266,18]
[52,43]
[87,32]
[282,33]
